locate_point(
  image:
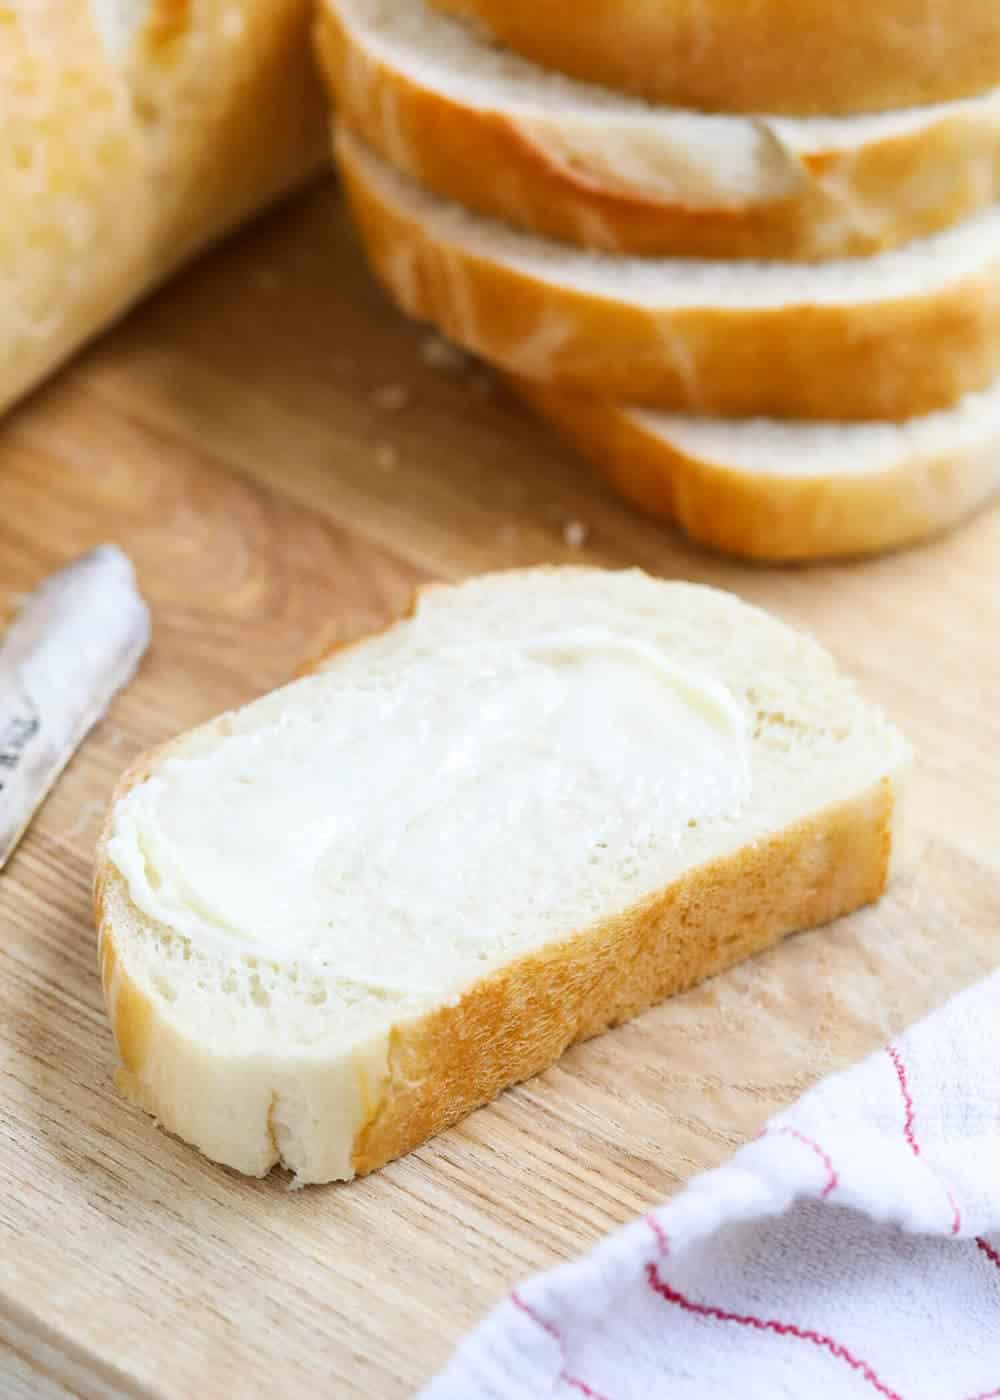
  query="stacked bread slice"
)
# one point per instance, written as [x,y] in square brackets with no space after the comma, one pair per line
[781,331]
[771,55]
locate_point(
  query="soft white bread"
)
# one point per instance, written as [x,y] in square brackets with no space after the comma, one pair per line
[133,132]
[790,491]
[802,57]
[882,338]
[557,157]
[335,921]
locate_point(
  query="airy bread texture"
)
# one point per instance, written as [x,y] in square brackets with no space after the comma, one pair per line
[790,491]
[132,133]
[543,802]
[556,157]
[801,57]
[883,338]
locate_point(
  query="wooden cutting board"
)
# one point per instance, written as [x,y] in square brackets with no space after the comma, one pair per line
[269,443]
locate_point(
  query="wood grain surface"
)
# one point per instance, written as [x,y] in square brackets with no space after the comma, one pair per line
[269,443]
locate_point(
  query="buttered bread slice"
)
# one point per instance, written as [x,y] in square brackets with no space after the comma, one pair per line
[333,922]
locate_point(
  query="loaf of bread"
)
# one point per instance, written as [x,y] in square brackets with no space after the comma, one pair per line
[790,491]
[883,338]
[337,920]
[793,56]
[132,133]
[556,157]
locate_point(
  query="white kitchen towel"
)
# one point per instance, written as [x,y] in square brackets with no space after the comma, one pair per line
[852,1250]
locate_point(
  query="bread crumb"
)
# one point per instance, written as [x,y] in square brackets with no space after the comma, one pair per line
[391,398]
[438,353]
[386,457]
[575,533]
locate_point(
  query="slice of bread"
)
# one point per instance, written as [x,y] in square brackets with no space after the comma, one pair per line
[881,338]
[790,491]
[335,921]
[802,57]
[132,133]
[560,158]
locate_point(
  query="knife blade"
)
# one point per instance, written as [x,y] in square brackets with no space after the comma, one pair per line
[75,643]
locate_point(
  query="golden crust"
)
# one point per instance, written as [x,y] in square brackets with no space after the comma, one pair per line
[879,360]
[132,1012]
[172,135]
[780,519]
[515,1022]
[805,57]
[828,203]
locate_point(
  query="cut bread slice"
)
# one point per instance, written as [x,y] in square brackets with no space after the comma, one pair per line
[333,922]
[803,57]
[560,158]
[882,338]
[790,491]
[130,137]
